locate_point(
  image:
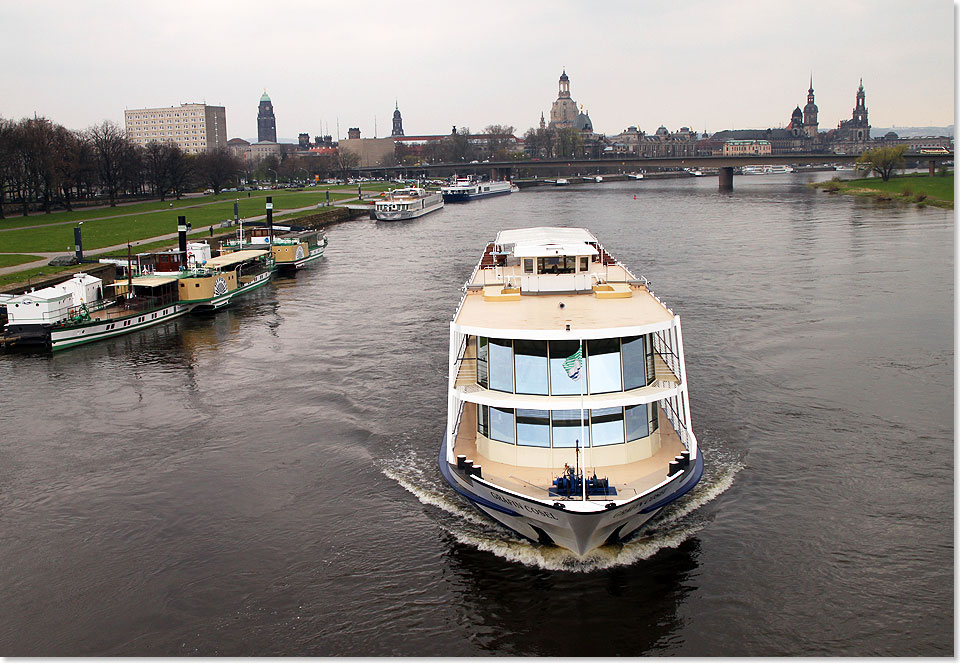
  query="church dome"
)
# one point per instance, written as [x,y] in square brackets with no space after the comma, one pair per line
[563,76]
[583,122]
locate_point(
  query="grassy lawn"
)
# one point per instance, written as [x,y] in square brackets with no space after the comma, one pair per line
[28,274]
[11,260]
[108,232]
[337,192]
[917,188]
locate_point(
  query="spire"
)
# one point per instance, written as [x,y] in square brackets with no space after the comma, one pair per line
[811,83]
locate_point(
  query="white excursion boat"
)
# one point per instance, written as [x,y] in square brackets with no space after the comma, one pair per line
[635,176]
[561,181]
[568,419]
[408,203]
[465,189]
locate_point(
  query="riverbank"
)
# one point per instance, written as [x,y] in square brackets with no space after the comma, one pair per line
[916,188]
[15,281]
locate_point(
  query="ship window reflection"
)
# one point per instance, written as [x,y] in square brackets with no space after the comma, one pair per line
[483,420]
[530,358]
[606,426]
[501,364]
[557,265]
[638,422]
[566,429]
[482,358]
[533,428]
[560,382]
[502,425]
[634,363]
[603,364]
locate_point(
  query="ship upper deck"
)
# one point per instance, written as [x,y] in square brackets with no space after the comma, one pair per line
[556,280]
[543,312]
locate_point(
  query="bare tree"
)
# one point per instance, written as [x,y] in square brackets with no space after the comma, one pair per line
[182,171]
[217,168]
[156,163]
[110,146]
[499,139]
[346,161]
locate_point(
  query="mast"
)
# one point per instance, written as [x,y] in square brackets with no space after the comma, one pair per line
[129,273]
[583,475]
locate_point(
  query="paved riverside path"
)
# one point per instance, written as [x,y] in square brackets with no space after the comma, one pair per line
[47,257]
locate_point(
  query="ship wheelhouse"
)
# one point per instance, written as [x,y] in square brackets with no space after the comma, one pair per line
[542,303]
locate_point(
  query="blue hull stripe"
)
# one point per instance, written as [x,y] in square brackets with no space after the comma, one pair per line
[445,471]
[686,488]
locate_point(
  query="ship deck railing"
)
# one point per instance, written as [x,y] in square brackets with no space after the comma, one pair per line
[123,307]
[629,479]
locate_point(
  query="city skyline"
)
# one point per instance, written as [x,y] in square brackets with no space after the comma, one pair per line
[698,64]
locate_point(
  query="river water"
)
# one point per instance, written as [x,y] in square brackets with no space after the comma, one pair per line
[263,480]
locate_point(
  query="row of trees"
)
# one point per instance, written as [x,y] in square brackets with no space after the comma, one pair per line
[44,164]
[496,143]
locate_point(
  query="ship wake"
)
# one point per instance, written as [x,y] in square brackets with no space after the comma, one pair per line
[677,523]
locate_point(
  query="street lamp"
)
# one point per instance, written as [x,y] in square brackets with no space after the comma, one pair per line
[306,175]
[275,176]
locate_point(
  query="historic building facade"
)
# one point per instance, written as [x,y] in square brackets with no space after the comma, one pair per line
[195,128]
[266,120]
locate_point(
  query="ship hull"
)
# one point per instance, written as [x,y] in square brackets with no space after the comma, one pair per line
[548,522]
[403,215]
[68,337]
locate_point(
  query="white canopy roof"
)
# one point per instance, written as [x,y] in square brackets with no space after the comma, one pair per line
[546,241]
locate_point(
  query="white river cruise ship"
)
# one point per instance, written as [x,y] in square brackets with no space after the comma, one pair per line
[568,419]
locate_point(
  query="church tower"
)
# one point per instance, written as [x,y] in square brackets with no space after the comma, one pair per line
[397,121]
[266,121]
[860,112]
[810,113]
[564,109]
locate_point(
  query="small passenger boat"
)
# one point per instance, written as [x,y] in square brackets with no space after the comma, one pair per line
[465,189]
[568,419]
[80,311]
[290,249]
[408,203]
[214,283]
[561,181]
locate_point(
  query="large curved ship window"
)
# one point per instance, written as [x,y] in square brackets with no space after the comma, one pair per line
[501,364]
[606,426]
[560,382]
[502,425]
[533,428]
[483,420]
[566,429]
[651,368]
[603,365]
[483,369]
[634,362]
[638,421]
[530,361]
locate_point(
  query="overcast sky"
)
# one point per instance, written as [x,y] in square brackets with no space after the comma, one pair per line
[709,65]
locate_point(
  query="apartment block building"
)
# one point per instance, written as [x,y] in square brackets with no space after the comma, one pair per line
[194,127]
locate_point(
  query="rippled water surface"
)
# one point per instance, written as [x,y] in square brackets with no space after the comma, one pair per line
[263,480]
